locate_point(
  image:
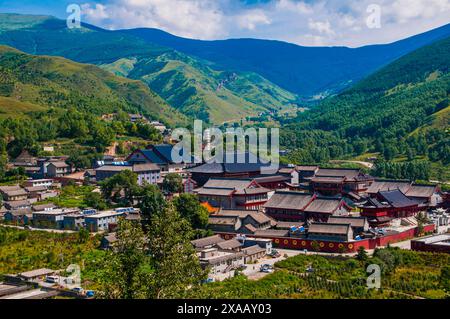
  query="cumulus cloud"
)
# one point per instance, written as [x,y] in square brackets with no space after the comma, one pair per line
[305,22]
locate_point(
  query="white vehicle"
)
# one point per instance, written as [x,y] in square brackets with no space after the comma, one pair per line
[52,279]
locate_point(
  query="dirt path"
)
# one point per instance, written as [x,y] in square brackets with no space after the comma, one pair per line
[365,164]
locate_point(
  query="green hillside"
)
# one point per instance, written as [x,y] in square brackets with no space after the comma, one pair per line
[380,114]
[185,82]
[198,91]
[31,82]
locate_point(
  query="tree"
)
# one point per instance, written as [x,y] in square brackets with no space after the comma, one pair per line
[124,273]
[95,200]
[445,278]
[122,186]
[152,202]
[189,207]
[362,254]
[173,183]
[174,262]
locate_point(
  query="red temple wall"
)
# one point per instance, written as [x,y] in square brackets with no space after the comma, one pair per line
[336,246]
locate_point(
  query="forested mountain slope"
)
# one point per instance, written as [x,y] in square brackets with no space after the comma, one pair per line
[56,82]
[305,71]
[400,111]
[186,83]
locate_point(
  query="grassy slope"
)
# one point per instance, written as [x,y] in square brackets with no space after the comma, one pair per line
[199,91]
[118,52]
[52,81]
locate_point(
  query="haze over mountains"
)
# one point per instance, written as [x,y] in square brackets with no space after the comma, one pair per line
[217,81]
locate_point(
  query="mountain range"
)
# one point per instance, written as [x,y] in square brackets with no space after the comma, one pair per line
[217,81]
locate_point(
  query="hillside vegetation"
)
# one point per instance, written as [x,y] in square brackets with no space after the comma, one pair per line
[380,114]
[32,83]
[186,83]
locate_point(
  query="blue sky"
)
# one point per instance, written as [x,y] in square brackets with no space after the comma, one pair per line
[304,22]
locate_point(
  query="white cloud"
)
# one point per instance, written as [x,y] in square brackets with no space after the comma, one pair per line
[305,22]
[250,20]
[323,27]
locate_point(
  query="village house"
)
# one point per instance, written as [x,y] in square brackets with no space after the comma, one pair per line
[16,205]
[73,221]
[160,155]
[58,169]
[244,221]
[36,275]
[13,193]
[48,183]
[253,253]
[159,126]
[101,221]
[207,242]
[43,207]
[19,217]
[231,193]
[221,261]
[52,218]
[147,173]
[44,162]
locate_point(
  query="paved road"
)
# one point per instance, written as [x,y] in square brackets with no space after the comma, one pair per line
[26,294]
[59,231]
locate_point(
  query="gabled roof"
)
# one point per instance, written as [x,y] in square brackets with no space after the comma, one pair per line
[326,228]
[18,192]
[353,221]
[347,173]
[325,179]
[324,205]
[158,154]
[289,200]
[59,164]
[230,186]
[228,183]
[145,167]
[257,216]
[240,163]
[307,168]
[253,250]
[397,199]
[421,191]
[207,241]
[42,207]
[229,244]
[387,185]
[223,220]
[272,179]
[4,189]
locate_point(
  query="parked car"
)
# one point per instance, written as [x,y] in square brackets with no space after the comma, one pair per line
[78,290]
[52,279]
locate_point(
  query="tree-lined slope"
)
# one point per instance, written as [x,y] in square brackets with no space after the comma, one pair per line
[56,82]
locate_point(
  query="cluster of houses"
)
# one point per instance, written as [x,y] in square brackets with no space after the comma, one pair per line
[43,167]
[224,256]
[48,216]
[17,201]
